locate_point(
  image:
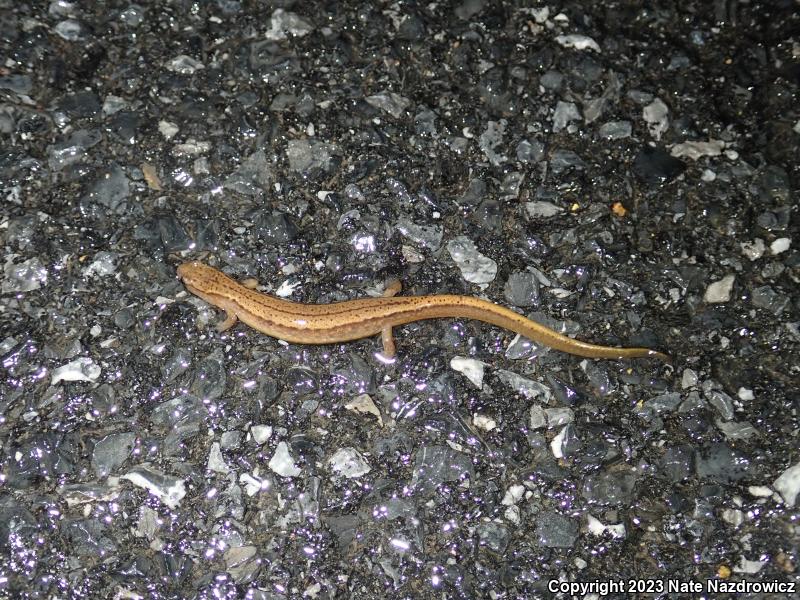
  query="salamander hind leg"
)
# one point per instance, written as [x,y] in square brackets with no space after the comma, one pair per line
[389,348]
[392,287]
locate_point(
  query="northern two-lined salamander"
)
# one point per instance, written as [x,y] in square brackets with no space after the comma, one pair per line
[356,319]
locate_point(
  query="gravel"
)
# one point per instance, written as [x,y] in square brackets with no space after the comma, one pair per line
[626,175]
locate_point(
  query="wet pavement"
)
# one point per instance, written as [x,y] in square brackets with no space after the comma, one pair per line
[624,174]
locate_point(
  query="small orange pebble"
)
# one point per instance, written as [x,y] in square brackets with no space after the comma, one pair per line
[723,571]
[574,207]
[619,209]
[785,562]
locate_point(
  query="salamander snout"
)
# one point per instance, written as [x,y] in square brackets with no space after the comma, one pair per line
[190,272]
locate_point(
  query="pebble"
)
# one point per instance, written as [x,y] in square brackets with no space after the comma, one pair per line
[215,461]
[484,422]
[780,245]
[688,379]
[788,484]
[564,113]
[80,369]
[389,102]
[656,115]
[261,433]
[471,369]
[184,65]
[349,463]
[474,266]
[719,291]
[697,150]
[615,130]
[364,404]
[282,462]
[753,250]
[542,209]
[26,276]
[168,489]
[579,42]
[537,418]
[284,23]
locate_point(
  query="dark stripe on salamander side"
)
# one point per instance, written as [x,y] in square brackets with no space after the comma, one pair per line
[315,318]
[344,307]
[228,290]
[279,305]
[309,311]
[316,324]
[354,321]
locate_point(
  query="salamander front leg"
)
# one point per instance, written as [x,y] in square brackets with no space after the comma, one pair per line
[231,318]
[230,321]
[392,288]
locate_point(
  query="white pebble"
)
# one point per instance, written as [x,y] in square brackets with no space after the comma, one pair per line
[751,567]
[788,484]
[689,379]
[216,462]
[759,491]
[80,369]
[513,495]
[475,267]
[697,149]
[656,114]
[537,417]
[780,245]
[261,433]
[556,446]
[579,42]
[364,404]
[719,291]
[283,463]
[542,209]
[349,463]
[168,129]
[484,422]
[471,369]
[753,250]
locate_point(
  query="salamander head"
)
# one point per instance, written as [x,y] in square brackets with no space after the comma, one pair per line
[196,275]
